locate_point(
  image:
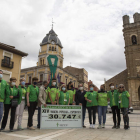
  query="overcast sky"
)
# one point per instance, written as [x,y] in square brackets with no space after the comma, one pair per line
[90,31]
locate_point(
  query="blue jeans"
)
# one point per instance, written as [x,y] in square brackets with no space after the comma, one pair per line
[102,112]
[1,110]
[39,111]
[83,113]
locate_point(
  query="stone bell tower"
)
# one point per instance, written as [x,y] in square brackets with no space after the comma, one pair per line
[131,33]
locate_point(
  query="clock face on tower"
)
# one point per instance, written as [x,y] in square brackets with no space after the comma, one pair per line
[53,42]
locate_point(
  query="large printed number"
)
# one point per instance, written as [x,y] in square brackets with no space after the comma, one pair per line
[69,116]
[50,116]
[74,116]
[64,116]
[56,116]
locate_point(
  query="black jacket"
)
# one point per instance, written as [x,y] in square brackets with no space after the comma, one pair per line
[79,98]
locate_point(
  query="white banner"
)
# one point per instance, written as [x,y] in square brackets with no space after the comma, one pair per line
[61,116]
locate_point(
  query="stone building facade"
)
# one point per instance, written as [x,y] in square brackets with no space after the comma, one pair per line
[81,74]
[131,79]
[10,61]
[120,78]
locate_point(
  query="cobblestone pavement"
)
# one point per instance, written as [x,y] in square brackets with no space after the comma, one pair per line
[77,134]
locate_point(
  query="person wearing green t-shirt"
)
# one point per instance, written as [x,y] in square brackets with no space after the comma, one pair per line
[52,92]
[91,98]
[21,106]
[71,92]
[12,92]
[102,106]
[32,99]
[113,95]
[125,103]
[3,85]
[63,97]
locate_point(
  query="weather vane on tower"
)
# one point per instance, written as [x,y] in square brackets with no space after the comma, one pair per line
[52,23]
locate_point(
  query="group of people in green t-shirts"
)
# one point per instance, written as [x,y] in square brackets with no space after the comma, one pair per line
[119,99]
[14,98]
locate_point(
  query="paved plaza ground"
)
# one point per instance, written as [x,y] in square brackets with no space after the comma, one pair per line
[77,134]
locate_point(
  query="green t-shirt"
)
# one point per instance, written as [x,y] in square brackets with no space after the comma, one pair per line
[53,92]
[46,94]
[3,85]
[120,98]
[12,91]
[1,100]
[23,93]
[93,97]
[113,95]
[33,93]
[65,98]
[102,98]
[71,93]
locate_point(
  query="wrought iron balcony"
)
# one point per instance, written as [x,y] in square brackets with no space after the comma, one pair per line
[8,64]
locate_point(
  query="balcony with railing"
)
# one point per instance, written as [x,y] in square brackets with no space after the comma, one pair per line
[8,64]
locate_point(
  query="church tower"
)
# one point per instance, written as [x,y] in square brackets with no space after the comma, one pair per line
[131,33]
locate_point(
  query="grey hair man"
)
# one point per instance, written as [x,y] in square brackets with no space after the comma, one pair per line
[42,99]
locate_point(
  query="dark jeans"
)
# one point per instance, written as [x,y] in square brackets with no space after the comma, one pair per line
[125,116]
[39,111]
[92,112]
[83,113]
[7,107]
[116,110]
[1,110]
[31,110]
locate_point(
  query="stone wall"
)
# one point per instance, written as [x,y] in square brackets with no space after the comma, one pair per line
[120,78]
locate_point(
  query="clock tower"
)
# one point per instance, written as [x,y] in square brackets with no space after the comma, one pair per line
[50,45]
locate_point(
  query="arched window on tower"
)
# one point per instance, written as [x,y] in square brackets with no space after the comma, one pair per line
[55,49]
[43,61]
[134,39]
[52,48]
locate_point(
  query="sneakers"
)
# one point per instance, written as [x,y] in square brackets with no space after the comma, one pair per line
[38,126]
[84,126]
[118,127]
[103,126]
[90,126]
[19,128]
[93,126]
[99,127]
[31,128]
[127,127]
[11,130]
[2,129]
[114,127]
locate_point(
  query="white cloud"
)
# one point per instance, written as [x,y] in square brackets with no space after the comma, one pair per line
[90,31]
